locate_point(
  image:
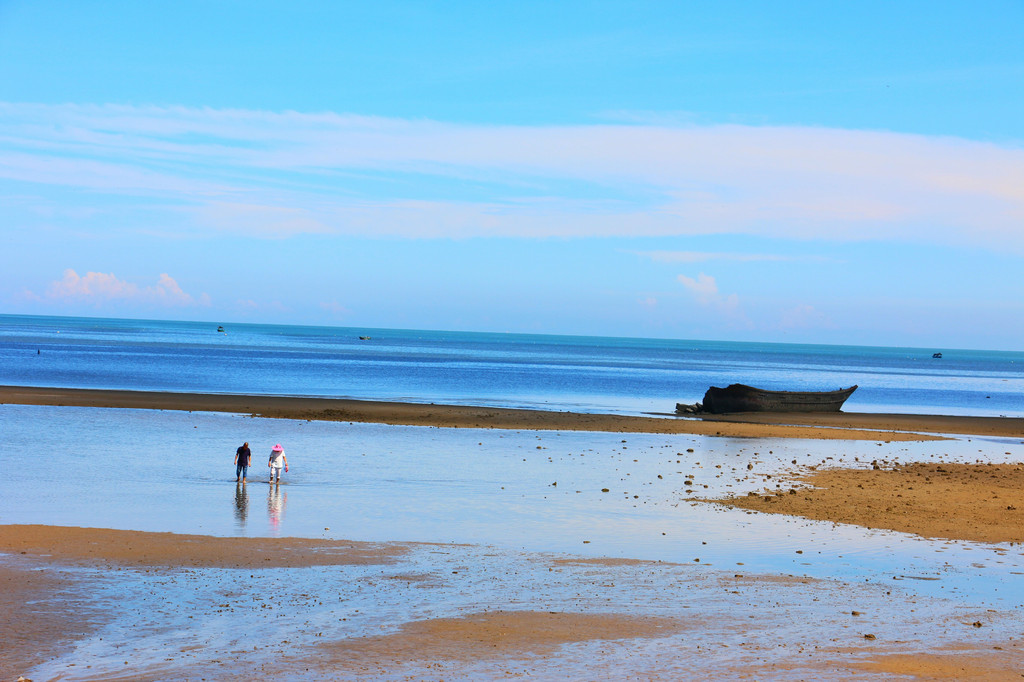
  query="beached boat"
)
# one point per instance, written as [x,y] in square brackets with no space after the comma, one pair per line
[742,398]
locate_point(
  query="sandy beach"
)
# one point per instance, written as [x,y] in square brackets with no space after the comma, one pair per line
[148,606]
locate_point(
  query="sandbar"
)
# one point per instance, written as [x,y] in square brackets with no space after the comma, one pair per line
[976,502]
[134,548]
[839,426]
[492,632]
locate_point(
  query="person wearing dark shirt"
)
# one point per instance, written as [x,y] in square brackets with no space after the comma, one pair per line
[242,457]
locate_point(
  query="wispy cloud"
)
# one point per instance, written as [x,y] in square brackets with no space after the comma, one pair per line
[335,309]
[99,288]
[290,172]
[805,317]
[704,256]
[260,220]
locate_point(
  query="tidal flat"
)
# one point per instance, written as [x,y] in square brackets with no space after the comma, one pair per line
[514,552]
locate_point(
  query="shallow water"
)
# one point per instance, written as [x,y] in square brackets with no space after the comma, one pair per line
[512,490]
[504,510]
[237,624]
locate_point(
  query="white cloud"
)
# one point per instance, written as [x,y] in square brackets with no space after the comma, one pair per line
[98,288]
[704,290]
[274,174]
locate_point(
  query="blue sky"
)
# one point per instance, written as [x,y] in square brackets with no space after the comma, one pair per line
[785,171]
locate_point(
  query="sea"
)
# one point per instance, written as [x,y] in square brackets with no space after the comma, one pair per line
[574,373]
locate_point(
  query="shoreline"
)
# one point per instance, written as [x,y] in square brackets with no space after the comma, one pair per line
[821,426]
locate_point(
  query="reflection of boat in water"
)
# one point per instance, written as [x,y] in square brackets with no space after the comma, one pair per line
[937,356]
[742,398]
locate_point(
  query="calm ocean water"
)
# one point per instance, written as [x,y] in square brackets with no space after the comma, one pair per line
[595,374]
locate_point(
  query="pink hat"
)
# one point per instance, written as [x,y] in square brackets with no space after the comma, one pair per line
[277,448]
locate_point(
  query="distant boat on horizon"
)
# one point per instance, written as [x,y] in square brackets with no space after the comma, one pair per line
[937,356]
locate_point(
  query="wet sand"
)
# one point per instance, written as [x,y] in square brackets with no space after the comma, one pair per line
[132,548]
[42,612]
[847,426]
[995,666]
[978,502]
[492,633]
[641,619]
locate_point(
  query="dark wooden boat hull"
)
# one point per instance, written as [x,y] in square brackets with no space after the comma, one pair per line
[742,398]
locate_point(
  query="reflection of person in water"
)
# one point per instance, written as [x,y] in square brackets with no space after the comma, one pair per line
[276,498]
[241,505]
